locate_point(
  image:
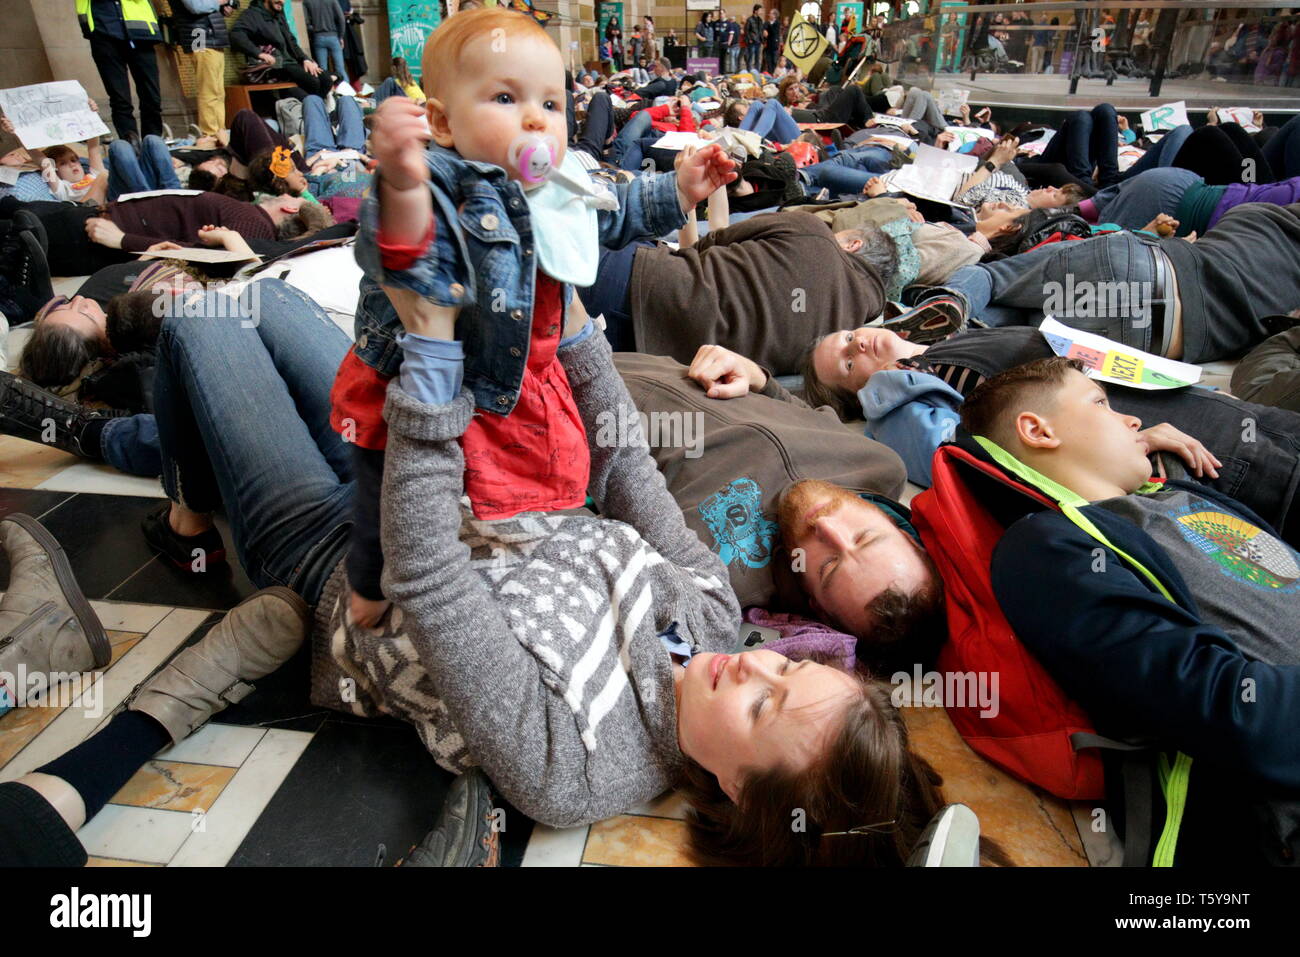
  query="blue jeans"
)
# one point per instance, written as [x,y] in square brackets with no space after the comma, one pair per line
[632,132]
[1161,154]
[130,445]
[847,171]
[324,45]
[242,407]
[772,121]
[389,87]
[1087,139]
[132,173]
[1133,203]
[1016,290]
[318,132]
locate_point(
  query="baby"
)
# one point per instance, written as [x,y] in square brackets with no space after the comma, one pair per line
[471,248]
[66,177]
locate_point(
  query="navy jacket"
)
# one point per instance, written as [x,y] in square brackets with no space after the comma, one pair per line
[1140,666]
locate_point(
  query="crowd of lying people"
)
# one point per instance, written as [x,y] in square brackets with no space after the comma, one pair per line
[460,507]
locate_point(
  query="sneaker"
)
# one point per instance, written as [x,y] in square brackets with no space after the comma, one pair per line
[255,637]
[951,839]
[29,412]
[465,835]
[46,624]
[183,551]
[932,321]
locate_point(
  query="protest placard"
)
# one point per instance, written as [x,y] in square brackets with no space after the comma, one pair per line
[1165,118]
[47,114]
[1112,361]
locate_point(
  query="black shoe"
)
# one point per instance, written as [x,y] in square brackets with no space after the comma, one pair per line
[932,321]
[183,551]
[465,835]
[29,412]
[25,219]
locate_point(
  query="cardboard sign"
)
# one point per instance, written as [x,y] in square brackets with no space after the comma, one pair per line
[1242,115]
[1165,118]
[49,114]
[962,135]
[1110,361]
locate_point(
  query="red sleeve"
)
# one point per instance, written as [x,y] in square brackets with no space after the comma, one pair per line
[687,124]
[357,403]
[659,112]
[397,257]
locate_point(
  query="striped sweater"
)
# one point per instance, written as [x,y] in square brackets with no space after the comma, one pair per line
[529,646]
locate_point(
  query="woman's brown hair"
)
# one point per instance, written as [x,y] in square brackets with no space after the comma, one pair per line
[263,180]
[867,778]
[818,393]
[402,73]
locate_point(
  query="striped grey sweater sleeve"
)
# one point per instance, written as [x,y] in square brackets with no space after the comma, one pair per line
[625,484]
[491,685]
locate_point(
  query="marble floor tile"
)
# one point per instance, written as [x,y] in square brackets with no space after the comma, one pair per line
[100,479]
[137,833]
[175,786]
[671,804]
[629,841]
[126,616]
[226,823]
[26,464]
[1033,827]
[78,722]
[116,862]
[215,743]
[555,846]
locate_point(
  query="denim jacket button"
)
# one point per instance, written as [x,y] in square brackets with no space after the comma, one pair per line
[489,222]
[361,343]
[516,314]
[457,290]
[528,250]
[514,351]
[514,202]
[503,400]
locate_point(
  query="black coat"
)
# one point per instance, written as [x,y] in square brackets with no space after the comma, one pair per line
[258,27]
[197,31]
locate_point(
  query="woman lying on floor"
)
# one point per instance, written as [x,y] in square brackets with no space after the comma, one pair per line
[580,661]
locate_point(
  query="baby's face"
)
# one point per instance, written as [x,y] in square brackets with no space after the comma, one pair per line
[512,85]
[70,171]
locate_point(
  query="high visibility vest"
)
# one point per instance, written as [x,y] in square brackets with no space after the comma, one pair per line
[138,15]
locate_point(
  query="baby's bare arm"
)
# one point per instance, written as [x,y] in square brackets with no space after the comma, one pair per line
[422,317]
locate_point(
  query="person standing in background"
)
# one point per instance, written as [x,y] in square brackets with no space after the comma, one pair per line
[637,47]
[651,46]
[122,35]
[753,51]
[198,27]
[614,37]
[325,29]
[354,50]
[703,36]
[771,41]
[731,60]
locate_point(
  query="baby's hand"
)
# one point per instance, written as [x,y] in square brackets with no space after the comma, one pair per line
[701,172]
[399,135]
[214,235]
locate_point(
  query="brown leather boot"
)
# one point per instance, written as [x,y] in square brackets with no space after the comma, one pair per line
[257,636]
[46,624]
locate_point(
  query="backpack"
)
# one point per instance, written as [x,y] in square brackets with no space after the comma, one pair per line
[1039,734]
[288,113]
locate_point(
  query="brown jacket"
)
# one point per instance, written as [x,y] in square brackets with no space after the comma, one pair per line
[766,287]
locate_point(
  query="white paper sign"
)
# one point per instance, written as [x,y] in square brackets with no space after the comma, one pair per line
[47,114]
[1111,361]
[961,135]
[680,140]
[1165,117]
[932,183]
[928,157]
[1243,115]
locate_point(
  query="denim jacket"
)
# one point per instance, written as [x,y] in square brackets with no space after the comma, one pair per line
[482,261]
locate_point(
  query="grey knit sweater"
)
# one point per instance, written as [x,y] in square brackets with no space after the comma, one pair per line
[530,646]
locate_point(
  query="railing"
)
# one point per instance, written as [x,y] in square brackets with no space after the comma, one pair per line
[1248,43]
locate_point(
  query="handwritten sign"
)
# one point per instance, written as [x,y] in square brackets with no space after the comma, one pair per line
[1164,118]
[1111,361]
[47,114]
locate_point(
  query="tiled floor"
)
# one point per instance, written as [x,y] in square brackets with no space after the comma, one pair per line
[279,782]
